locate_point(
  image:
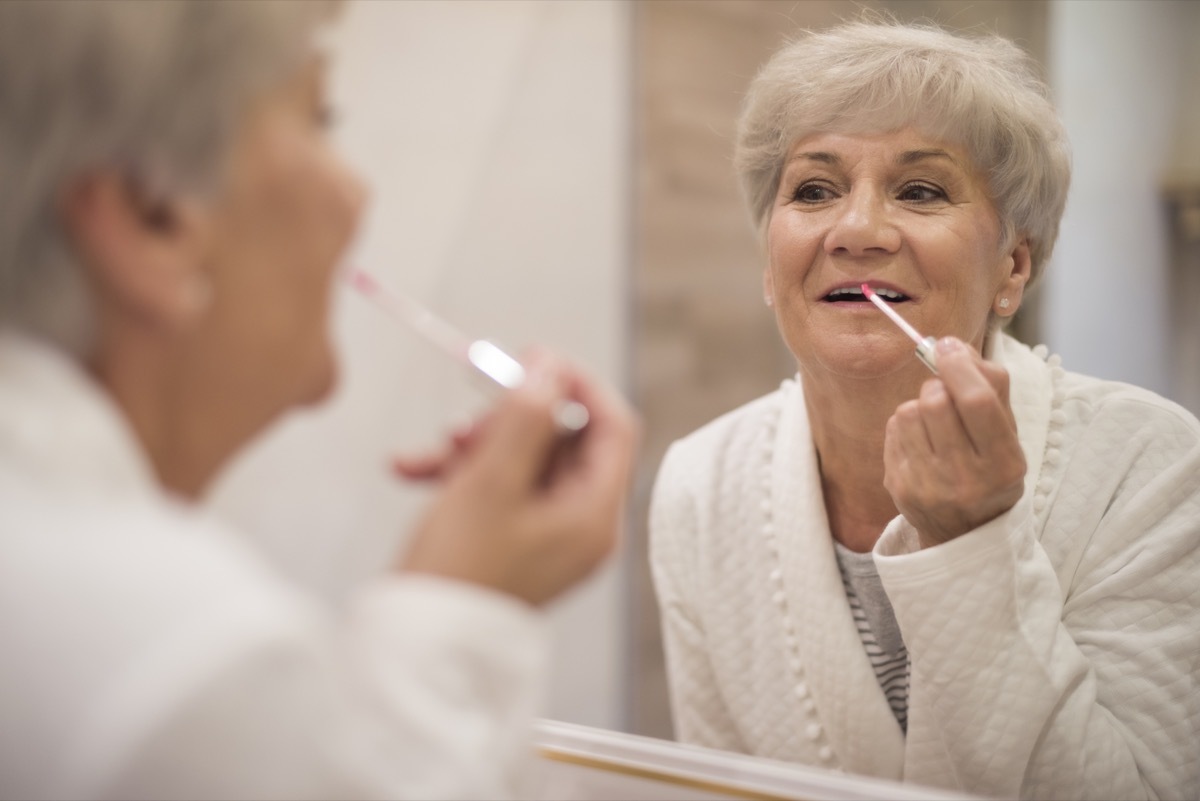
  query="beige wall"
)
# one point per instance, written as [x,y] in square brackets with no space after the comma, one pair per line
[495,140]
[1122,293]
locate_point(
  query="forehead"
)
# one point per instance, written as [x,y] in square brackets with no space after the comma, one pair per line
[901,147]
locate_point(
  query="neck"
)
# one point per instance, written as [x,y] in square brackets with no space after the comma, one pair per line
[187,429]
[848,418]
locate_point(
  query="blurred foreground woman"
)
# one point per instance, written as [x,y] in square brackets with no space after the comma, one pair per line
[173,216]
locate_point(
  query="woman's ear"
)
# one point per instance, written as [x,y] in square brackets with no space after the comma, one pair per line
[144,254]
[768,288]
[1012,285]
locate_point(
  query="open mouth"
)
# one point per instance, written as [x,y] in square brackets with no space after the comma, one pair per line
[853,294]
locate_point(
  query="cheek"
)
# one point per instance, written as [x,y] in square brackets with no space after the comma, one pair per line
[962,266]
[993,265]
[791,247]
[319,203]
[779,241]
[295,217]
[779,238]
[960,253]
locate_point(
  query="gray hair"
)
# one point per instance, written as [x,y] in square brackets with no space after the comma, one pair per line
[152,89]
[870,76]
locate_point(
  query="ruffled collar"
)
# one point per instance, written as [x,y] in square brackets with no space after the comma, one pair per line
[60,429]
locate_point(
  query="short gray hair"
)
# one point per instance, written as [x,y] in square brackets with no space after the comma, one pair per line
[152,89]
[981,93]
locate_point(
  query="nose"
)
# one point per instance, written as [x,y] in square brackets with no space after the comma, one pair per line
[862,226]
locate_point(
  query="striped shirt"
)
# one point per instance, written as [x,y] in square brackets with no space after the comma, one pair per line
[877,627]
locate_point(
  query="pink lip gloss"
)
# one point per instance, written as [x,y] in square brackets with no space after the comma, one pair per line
[926,346]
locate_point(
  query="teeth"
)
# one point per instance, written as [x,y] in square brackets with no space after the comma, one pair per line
[853,291]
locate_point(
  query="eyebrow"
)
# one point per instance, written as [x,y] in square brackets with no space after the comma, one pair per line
[824,158]
[913,156]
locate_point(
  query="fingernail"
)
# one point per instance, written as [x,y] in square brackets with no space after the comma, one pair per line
[948,345]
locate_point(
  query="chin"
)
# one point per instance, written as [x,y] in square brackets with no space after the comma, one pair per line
[862,357]
[861,369]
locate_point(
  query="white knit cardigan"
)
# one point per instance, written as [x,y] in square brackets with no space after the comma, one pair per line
[1055,650]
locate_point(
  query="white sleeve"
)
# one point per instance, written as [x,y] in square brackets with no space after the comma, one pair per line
[427,689]
[1026,682]
[699,714]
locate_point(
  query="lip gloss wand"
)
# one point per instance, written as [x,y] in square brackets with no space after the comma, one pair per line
[490,361]
[926,346]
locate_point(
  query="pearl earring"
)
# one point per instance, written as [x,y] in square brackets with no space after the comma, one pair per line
[1004,303]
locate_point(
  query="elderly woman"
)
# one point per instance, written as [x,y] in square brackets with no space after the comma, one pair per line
[173,215]
[984,580]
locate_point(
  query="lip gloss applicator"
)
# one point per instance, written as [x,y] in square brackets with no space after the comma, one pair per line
[487,359]
[926,346]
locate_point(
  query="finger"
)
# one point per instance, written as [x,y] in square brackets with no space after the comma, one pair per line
[423,467]
[603,456]
[516,444]
[998,377]
[465,436]
[908,429]
[943,426]
[898,463]
[984,416]
[437,463]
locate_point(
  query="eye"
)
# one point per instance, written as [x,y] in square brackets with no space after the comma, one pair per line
[812,192]
[920,193]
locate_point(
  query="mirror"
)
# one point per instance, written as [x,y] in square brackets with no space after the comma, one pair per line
[704,342]
[560,173]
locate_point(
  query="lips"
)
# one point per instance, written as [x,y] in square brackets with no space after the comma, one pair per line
[854,294]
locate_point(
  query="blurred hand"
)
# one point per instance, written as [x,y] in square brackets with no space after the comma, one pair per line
[952,460]
[523,508]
